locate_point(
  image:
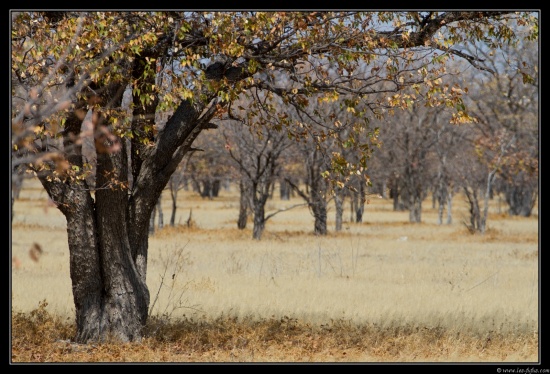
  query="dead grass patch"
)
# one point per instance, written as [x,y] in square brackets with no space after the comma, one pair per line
[409,292]
[40,337]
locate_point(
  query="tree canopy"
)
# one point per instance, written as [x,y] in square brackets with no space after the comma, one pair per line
[374,61]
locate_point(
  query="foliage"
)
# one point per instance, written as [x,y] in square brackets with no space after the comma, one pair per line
[381,62]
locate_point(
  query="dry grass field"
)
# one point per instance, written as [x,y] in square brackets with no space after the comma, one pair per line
[383,290]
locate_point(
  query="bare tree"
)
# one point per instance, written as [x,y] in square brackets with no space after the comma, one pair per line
[257,156]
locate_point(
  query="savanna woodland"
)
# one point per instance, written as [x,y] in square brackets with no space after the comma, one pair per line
[109,109]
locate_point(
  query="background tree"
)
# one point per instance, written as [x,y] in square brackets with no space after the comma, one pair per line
[65,64]
[209,168]
[178,181]
[510,110]
[257,156]
[448,139]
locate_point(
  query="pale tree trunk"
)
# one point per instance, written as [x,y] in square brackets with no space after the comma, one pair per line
[490,178]
[440,209]
[449,207]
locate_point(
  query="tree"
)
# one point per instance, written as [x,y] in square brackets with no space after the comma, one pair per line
[316,187]
[509,112]
[447,148]
[209,165]
[257,156]
[504,143]
[177,182]
[66,65]
[409,141]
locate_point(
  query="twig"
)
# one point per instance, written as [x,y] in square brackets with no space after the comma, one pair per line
[483,281]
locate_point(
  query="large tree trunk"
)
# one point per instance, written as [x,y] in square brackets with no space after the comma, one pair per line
[110,295]
[126,296]
[84,261]
[108,237]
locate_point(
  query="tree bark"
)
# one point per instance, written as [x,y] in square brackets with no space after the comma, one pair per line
[360,204]
[284,190]
[259,221]
[174,196]
[520,199]
[449,207]
[339,203]
[243,206]
[108,236]
[319,208]
[475,215]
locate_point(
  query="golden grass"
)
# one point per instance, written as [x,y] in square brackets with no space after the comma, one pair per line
[381,290]
[230,339]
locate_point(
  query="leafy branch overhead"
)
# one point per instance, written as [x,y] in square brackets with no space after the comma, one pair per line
[377,61]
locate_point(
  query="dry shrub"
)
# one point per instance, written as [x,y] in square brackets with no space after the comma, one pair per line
[38,337]
[39,327]
[170,231]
